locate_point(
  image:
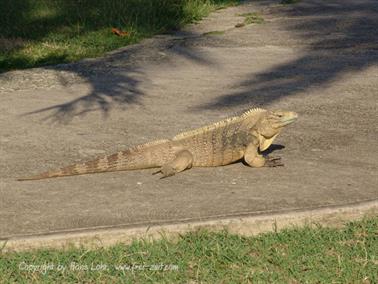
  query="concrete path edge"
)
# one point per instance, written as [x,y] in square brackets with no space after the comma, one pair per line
[335,216]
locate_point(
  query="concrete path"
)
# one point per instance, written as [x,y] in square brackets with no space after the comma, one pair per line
[318,58]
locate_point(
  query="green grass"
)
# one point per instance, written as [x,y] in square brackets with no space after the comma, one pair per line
[251,18]
[214,33]
[41,32]
[313,254]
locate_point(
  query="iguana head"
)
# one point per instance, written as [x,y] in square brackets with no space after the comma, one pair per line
[271,124]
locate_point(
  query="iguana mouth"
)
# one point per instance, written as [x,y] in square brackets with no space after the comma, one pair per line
[289,119]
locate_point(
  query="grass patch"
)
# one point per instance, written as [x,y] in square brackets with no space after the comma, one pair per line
[214,33]
[298,255]
[40,32]
[250,18]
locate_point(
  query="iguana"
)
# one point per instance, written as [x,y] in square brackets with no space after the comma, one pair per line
[222,143]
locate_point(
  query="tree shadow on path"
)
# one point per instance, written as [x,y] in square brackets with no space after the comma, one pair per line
[115,79]
[339,37]
[115,86]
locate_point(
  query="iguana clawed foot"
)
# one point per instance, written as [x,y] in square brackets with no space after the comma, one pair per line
[182,161]
[271,161]
[166,171]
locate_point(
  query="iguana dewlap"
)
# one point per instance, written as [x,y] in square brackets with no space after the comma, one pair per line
[221,143]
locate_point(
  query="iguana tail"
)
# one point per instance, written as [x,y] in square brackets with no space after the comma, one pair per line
[149,155]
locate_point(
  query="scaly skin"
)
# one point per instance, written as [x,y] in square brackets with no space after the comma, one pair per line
[219,144]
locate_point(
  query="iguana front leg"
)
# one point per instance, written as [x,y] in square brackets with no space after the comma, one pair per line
[182,161]
[254,159]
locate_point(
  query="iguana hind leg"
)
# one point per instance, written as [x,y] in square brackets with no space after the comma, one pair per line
[254,159]
[182,161]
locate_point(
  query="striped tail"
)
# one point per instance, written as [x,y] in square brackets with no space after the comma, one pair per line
[149,155]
